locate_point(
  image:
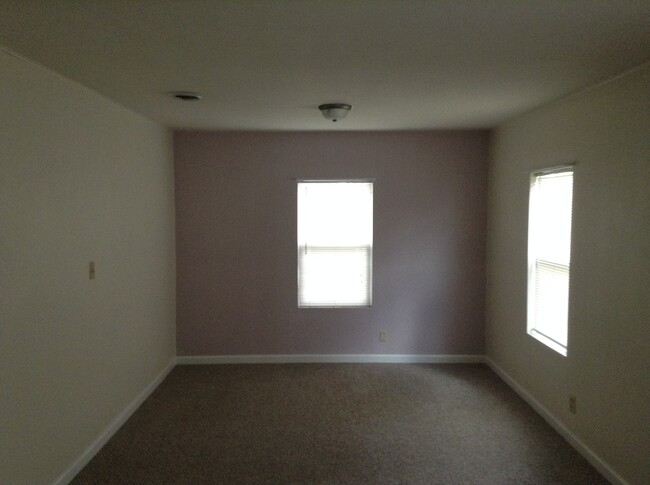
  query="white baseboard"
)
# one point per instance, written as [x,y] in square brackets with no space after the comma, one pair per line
[119,420]
[330,359]
[597,462]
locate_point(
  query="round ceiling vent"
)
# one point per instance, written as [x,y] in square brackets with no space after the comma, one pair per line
[186,95]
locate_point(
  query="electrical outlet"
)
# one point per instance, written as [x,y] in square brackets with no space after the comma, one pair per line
[383,336]
[572,404]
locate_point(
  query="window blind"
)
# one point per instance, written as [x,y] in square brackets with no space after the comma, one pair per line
[549,254]
[335,243]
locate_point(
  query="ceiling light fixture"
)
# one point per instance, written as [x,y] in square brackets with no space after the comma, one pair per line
[186,95]
[335,111]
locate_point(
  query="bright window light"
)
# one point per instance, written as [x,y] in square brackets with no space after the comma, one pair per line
[549,256]
[335,243]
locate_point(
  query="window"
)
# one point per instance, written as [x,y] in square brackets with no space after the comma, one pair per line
[335,243]
[549,251]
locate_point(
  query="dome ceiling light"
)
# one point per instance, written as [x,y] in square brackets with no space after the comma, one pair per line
[335,111]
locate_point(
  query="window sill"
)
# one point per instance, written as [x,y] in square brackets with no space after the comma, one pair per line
[552,344]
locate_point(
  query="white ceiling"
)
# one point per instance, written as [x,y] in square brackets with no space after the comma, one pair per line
[267,65]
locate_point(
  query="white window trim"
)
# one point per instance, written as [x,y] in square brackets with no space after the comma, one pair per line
[531,330]
[369,252]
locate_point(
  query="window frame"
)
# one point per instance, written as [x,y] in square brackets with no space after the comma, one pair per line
[369,249]
[533,262]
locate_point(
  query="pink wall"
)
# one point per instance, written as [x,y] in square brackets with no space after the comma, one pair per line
[236,242]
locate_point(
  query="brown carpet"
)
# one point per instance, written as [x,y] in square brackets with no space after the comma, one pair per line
[336,423]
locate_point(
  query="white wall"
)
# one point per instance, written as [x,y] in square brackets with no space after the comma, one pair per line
[605,130]
[81,179]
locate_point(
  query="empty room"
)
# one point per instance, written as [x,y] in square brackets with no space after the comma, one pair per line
[323,241]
